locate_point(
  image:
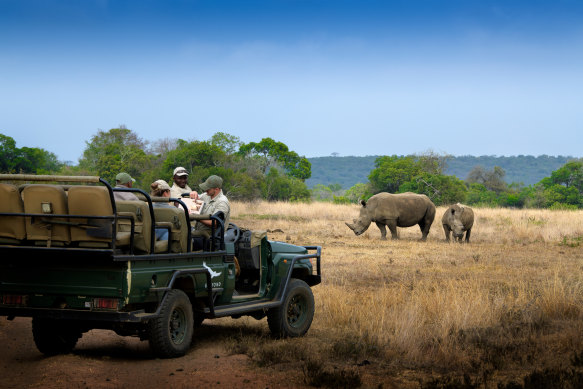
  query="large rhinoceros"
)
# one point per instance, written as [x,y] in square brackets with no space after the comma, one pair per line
[458,219]
[395,210]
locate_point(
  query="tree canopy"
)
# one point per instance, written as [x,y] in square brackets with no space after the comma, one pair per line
[26,159]
[268,169]
[249,171]
[273,154]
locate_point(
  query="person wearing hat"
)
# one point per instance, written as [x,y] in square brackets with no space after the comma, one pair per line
[160,188]
[124,180]
[180,186]
[214,201]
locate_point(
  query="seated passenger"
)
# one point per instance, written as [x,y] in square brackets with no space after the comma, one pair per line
[214,200]
[124,180]
[180,186]
[160,188]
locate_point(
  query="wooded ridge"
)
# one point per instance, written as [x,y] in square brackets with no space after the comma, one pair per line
[348,171]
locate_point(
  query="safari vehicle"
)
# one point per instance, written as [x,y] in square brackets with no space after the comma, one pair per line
[75,259]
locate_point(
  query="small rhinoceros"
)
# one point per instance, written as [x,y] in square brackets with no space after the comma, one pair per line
[457,219]
[395,210]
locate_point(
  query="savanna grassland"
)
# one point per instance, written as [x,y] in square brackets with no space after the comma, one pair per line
[505,311]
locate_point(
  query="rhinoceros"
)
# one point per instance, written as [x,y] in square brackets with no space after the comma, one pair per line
[395,210]
[457,219]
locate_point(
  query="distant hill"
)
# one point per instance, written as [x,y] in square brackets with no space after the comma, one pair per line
[348,171]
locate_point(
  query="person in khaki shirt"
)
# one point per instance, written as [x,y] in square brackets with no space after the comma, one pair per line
[180,177]
[214,200]
[124,180]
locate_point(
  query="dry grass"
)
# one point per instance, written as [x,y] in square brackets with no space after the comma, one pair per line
[500,308]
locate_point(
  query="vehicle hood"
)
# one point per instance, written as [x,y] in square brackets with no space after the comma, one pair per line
[280,247]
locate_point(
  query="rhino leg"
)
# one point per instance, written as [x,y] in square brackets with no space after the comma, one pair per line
[392,224]
[424,226]
[447,231]
[468,235]
[383,229]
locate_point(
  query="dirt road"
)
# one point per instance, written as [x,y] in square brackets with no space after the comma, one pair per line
[103,359]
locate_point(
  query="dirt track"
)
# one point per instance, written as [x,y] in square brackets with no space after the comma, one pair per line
[103,359]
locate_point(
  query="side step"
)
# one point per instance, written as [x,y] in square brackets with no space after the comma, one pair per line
[241,308]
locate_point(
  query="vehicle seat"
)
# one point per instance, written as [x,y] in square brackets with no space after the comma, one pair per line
[91,201]
[12,228]
[176,219]
[140,213]
[48,200]
[249,249]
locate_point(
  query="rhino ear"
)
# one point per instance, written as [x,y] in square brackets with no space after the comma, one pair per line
[363,203]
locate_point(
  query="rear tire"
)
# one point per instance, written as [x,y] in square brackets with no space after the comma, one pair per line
[294,317]
[170,334]
[54,337]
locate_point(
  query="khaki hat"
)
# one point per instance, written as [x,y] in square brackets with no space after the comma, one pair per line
[162,185]
[124,178]
[180,171]
[212,182]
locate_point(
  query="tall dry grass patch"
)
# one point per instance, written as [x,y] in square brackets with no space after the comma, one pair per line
[502,302]
[494,225]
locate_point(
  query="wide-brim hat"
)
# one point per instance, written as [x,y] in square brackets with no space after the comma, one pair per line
[211,182]
[162,185]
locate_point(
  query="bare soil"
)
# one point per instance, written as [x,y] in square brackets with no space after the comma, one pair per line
[103,359]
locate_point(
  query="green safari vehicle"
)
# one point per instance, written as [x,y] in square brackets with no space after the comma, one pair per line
[74,259]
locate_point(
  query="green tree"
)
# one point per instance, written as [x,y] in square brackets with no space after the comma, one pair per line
[478,194]
[280,187]
[274,154]
[569,175]
[39,161]
[192,156]
[110,152]
[391,172]
[441,189]
[26,159]
[226,142]
[358,192]
[8,154]
[564,187]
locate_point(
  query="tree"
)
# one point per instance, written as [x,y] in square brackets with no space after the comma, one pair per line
[8,154]
[358,192]
[492,179]
[280,187]
[118,149]
[433,163]
[226,142]
[26,159]
[274,154]
[569,175]
[39,161]
[161,147]
[192,155]
[478,194]
[391,172]
[441,189]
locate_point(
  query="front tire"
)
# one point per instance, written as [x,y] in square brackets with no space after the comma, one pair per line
[294,317]
[170,334]
[54,337]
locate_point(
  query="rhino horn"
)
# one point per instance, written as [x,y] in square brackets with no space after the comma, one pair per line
[350,226]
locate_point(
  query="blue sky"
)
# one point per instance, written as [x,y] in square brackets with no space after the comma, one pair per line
[353,77]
